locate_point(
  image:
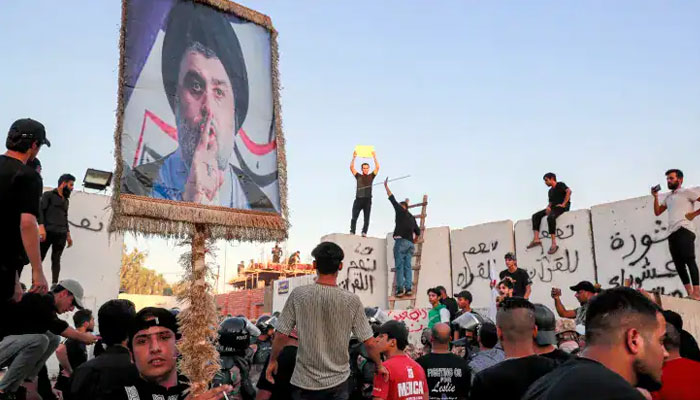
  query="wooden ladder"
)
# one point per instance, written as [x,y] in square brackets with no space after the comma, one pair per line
[417,255]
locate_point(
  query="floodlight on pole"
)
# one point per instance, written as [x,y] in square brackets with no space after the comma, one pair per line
[96,179]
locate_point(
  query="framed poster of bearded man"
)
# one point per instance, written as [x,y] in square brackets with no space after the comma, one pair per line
[198,136]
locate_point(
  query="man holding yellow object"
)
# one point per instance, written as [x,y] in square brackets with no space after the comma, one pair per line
[363,196]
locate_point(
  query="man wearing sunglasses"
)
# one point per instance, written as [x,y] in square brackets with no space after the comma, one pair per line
[32,332]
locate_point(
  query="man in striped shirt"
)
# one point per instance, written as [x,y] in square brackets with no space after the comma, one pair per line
[325,316]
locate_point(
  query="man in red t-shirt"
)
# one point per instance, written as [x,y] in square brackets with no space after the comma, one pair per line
[680,375]
[406,377]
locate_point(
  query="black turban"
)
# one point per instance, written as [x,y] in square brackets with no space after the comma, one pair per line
[189,23]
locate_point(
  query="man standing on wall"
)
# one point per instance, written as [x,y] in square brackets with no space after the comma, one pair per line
[363,196]
[522,284]
[20,191]
[681,240]
[406,232]
[559,203]
[53,223]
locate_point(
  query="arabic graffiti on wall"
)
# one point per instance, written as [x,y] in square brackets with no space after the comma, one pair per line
[636,265]
[631,247]
[571,263]
[478,254]
[361,270]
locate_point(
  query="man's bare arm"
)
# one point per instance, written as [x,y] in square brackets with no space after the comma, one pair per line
[376,163]
[30,239]
[281,340]
[567,197]
[62,356]
[352,164]
[562,311]
[658,209]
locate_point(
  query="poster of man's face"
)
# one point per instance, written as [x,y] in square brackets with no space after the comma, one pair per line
[198,119]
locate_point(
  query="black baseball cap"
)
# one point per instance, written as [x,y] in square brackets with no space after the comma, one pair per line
[395,330]
[153,316]
[510,256]
[29,128]
[546,325]
[584,285]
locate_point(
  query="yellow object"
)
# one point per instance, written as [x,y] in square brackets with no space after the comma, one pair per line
[364,151]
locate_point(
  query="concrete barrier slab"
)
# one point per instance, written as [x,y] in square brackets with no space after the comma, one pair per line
[572,263]
[435,265]
[364,267]
[631,243]
[476,252]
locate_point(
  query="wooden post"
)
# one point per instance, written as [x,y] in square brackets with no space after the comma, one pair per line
[199,322]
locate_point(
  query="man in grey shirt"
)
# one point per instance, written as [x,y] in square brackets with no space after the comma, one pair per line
[325,316]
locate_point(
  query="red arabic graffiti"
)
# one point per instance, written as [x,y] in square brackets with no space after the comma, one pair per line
[416,320]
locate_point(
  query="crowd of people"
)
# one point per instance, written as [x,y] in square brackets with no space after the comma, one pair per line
[325,344]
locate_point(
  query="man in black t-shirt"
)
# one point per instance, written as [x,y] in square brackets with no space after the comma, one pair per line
[448,375]
[53,223]
[281,389]
[522,284]
[624,350]
[73,353]
[363,196]
[559,203]
[31,336]
[112,369]
[448,302]
[20,191]
[510,379]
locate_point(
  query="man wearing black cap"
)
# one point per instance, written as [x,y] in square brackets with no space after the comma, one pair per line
[152,342]
[585,291]
[546,338]
[31,333]
[522,284]
[206,83]
[112,369]
[689,346]
[406,377]
[20,191]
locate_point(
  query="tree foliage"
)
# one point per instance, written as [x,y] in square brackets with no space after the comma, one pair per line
[135,278]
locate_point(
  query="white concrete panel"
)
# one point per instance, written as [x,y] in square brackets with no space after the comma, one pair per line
[476,252]
[416,320]
[281,289]
[631,243]
[572,263]
[94,260]
[435,265]
[364,267]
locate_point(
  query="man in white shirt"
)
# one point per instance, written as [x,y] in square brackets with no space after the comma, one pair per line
[681,240]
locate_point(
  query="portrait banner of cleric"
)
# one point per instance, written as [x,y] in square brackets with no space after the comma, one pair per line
[199,107]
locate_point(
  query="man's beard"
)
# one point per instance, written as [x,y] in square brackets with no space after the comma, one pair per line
[645,379]
[673,186]
[188,135]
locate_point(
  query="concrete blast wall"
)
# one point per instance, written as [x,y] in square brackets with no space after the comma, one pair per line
[607,244]
[477,257]
[364,267]
[631,243]
[571,264]
[435,265]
